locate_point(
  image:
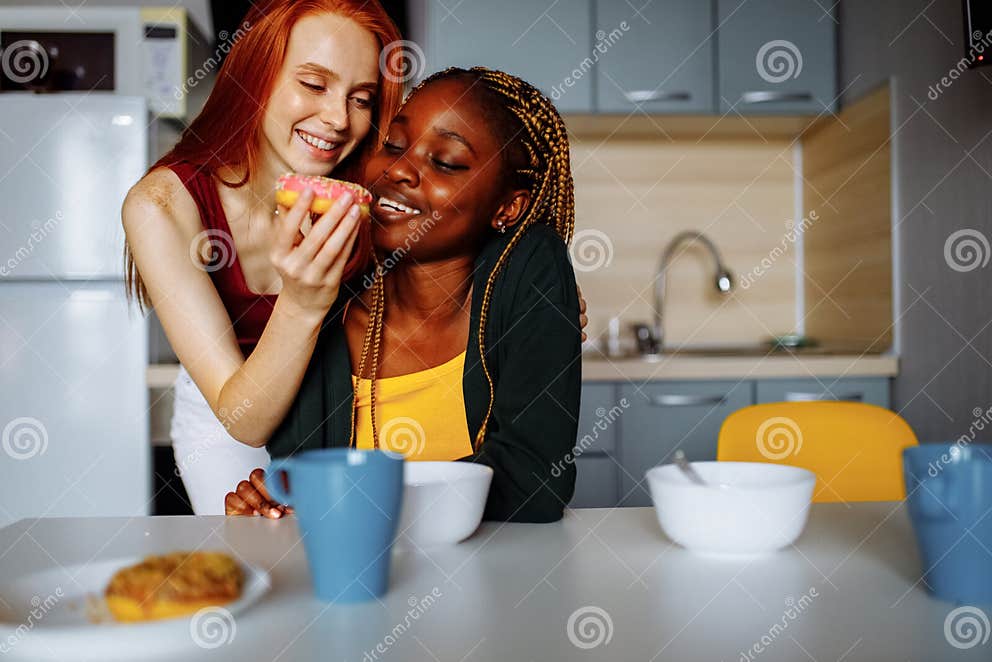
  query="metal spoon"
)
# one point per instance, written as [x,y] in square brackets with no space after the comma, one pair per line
[682,463]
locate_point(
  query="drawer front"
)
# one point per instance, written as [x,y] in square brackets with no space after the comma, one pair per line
[599,418]
[665,416]
[870,390]
[596,483]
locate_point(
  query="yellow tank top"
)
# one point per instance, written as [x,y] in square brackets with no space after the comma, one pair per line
[420,415]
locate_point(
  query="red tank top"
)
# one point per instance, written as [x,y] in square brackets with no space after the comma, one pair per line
[249,311]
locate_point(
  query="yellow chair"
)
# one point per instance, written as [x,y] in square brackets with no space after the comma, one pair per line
[854,449]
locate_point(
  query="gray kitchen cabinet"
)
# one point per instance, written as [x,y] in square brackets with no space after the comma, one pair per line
[871,390]
[596,482]
[776,56]
[598,415]
[627,428]
[658,58]
[545,42]
[665,416]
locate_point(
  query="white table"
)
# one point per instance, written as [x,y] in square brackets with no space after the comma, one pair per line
[507,593]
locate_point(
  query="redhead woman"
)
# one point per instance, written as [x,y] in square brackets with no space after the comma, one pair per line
[301,91]
[468,346]
[239,291]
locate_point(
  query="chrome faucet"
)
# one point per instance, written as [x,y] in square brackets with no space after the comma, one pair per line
[650,339]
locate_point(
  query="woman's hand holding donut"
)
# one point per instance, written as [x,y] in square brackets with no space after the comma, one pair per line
[311,267]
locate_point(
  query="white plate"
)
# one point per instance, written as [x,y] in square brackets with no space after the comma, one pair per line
[58,614]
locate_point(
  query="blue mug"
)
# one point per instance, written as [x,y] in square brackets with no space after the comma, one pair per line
[949,494]
[347,503]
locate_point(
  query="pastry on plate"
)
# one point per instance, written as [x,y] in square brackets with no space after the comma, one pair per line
[174,584]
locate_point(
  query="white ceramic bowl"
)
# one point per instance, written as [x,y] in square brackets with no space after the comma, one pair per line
[753,508]
[443,502]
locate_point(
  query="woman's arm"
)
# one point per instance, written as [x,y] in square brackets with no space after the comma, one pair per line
[161,222]
[534,421]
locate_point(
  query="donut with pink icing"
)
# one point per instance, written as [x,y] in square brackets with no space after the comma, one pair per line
[326,191]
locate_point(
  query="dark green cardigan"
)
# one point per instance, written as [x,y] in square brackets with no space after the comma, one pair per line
[533,344]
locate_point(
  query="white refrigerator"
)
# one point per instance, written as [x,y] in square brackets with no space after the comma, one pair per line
[73,396]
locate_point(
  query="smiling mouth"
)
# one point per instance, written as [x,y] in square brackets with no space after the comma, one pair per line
[393,205]
[319,143]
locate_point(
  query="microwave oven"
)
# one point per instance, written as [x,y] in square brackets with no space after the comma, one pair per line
[135,51]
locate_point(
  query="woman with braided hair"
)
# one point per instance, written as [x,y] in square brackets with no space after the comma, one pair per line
[463,342]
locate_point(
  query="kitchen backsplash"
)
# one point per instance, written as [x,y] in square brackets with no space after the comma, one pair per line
[848,261]
[634,194]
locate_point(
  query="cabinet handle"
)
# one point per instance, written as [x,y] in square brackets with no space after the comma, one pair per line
[683,400]
[798,396]
[640,96]
[767,96]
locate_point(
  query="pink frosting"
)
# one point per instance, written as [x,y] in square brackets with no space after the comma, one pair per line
[323,187]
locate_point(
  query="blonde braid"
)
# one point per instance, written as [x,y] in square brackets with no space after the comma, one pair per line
[545,141]
[373,335]
[379,305]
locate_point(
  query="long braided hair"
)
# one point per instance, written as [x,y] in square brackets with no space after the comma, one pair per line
[536,158]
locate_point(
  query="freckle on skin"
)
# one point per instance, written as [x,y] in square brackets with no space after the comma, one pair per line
[160,195]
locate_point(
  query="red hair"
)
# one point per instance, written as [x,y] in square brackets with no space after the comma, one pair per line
[249,73]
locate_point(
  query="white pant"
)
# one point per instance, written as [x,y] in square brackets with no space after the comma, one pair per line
[210,461]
